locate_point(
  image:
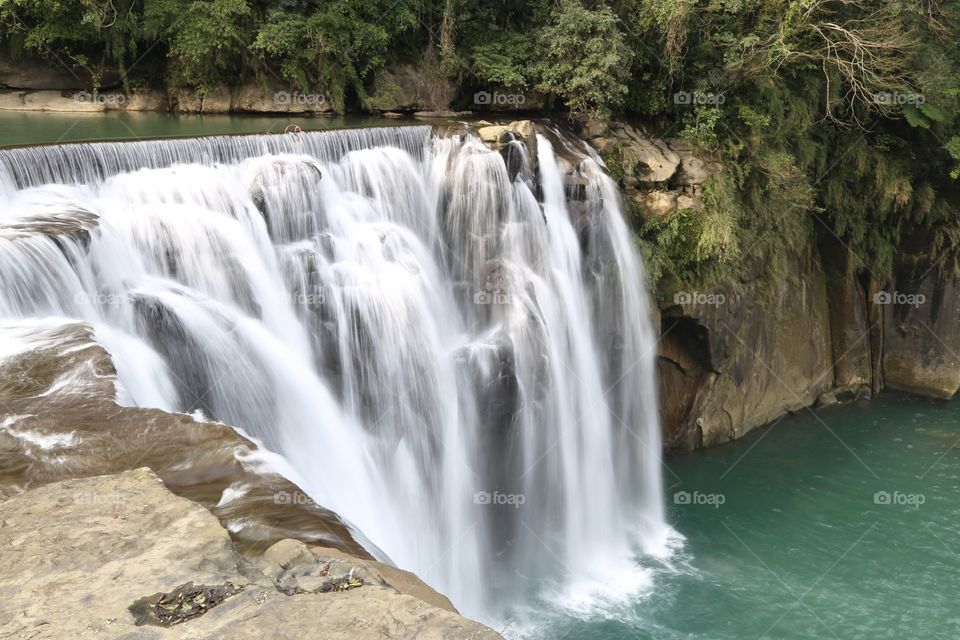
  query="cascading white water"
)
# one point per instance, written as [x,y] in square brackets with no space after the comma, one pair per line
[454,354]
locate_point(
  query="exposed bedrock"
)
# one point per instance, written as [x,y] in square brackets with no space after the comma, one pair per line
[61,421]
[826,331]
[120,556]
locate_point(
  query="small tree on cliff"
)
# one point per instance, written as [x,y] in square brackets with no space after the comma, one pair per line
[584,58]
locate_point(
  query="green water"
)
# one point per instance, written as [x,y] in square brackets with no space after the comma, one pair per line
[28,128]
[792,540]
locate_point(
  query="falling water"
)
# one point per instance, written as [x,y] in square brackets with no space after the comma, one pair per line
[454,351]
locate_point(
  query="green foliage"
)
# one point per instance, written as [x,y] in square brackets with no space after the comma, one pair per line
[953,148]
[504,60]
[584,58]
[701,127]
[82,37]
[332,50]
[206,39]
[804,140]
[698,245]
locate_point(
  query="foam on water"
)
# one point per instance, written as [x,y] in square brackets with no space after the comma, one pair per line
[34,438]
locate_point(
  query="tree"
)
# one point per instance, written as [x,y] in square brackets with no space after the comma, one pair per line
[584,58]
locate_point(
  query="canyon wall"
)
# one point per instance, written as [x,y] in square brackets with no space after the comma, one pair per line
[827,331]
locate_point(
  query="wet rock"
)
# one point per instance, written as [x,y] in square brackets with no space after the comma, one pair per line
[62,421]
[849,320]
[74,224]
[504,138]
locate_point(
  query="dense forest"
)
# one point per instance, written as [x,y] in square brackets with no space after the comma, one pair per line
[826,114]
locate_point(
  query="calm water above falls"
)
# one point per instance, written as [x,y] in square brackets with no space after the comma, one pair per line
[18,128]
[815,538]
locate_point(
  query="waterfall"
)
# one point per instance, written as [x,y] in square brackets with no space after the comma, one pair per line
[453,351]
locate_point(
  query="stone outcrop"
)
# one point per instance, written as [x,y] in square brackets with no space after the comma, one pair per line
[500,137]
[729,363]
[830,332]
[855,325]
[61,421]
[921,330]
[121,557]
[409,89]
[265,97]
[247,98]
[80,101]
[659,177]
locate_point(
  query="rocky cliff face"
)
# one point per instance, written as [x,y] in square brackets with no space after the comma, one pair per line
[921,325]
[830,332]
[730,363]
[122,557]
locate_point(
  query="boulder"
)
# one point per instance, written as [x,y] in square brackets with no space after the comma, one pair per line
[645,159]
[694,169]
[499,136]
[121,557]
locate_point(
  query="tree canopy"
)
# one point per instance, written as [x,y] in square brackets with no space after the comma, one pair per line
[838,113]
